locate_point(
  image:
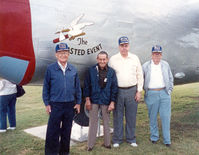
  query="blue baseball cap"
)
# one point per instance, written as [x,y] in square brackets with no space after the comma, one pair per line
[61,47]
[157,48]
[123,40]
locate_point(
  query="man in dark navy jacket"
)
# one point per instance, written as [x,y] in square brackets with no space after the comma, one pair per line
[61,96]
[100,90]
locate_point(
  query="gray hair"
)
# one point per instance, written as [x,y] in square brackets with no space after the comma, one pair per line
[102,52]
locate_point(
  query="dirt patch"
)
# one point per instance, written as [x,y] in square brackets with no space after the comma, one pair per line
[24,152]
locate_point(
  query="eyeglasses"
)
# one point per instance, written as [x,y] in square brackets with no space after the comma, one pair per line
[63,53]
[157,54]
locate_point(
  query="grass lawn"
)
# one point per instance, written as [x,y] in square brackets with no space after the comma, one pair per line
[184,127]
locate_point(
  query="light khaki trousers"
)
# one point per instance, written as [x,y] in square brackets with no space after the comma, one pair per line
[93,124]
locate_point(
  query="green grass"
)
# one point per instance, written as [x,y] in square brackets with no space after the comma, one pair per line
[184,127]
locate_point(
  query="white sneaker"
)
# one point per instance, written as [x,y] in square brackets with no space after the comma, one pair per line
[11,128]
[134,144]
[116,145]
[1,131]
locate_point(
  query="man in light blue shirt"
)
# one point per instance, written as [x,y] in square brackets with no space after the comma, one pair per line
[158,85]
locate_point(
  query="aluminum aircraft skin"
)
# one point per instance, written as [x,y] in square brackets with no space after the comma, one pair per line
[30,29]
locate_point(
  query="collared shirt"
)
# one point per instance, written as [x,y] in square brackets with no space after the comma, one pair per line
[102,76]
[156,79]
[7,87]
[166,74]
[128,70]
[59,87]
[93,90]
[63,68]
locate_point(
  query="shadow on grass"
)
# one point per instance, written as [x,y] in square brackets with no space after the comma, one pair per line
[185,125]
[191,97]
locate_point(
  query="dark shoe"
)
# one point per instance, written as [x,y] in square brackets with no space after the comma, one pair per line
[154,142]
[63,153]
[108,147]
[89,149]
[168,145]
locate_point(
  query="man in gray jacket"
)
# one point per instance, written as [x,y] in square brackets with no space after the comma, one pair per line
[158,84]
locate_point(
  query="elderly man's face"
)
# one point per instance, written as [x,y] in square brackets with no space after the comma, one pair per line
[102,60]
[62,56]
[124,48]
[156,57]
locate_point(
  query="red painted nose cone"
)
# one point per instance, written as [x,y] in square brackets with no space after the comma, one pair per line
[16,41]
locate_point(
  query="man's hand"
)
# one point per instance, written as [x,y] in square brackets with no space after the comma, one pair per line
[138,96]
[48,109]
[77,107]
[88,103]
[111,106]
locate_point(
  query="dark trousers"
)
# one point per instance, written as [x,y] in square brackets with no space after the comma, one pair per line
[59,128]
[126,106]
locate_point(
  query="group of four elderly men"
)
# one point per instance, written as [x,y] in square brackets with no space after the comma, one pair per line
[116,87]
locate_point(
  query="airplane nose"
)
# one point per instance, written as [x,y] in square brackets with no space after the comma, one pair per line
[17,59]
[13,69]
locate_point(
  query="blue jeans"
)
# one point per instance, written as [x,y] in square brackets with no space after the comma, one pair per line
[7,107]
[159,102]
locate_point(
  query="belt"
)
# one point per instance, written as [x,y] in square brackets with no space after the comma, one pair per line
[158,89]
[126,87]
